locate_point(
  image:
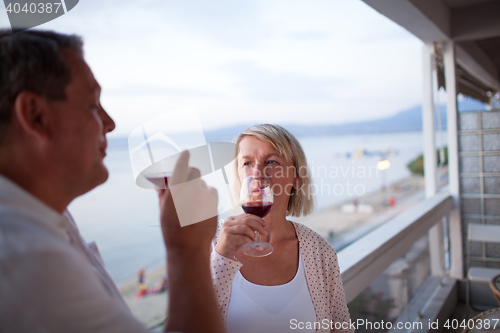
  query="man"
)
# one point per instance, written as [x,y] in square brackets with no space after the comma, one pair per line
[52,145]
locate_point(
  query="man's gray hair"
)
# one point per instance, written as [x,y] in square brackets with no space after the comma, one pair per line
[32,61]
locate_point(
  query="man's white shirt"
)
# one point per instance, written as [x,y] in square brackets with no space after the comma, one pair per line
[50,279]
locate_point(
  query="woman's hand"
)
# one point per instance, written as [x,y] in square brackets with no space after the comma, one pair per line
[237,231]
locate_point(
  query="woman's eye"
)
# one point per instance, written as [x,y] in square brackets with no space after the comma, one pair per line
[246,163]
[272,162]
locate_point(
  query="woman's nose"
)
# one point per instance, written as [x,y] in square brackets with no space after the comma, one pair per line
[258,171]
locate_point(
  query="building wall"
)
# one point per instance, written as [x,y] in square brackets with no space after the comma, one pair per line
[479,151]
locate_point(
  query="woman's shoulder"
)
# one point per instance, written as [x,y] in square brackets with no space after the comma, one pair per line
[310,238]
[306,232]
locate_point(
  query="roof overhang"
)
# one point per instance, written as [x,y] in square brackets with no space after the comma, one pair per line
[474,26]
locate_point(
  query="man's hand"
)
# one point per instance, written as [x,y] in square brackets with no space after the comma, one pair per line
[192,198]
[193,306]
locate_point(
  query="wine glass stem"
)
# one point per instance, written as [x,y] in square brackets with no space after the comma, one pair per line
[256,236]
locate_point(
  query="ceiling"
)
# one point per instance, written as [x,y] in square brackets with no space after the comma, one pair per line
[474,26]
[492,48]
[464,3]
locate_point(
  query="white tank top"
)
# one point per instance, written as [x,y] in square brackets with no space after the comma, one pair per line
[267,309]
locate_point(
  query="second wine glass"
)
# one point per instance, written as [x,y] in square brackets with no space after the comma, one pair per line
[256,200]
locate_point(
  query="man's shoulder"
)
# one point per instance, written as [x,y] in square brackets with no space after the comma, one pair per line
[22,233]
[34,253]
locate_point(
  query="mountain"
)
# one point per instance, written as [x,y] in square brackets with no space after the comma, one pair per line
[405,121]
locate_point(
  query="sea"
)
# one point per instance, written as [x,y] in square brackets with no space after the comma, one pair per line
[123,219]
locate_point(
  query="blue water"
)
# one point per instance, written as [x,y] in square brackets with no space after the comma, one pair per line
[123,218]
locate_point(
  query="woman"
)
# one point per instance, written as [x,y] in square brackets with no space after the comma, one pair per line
[299,282]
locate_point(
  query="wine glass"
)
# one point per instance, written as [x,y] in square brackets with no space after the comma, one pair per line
[256,199]
[159,172]
[156,144]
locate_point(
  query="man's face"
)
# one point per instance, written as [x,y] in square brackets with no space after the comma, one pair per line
[79,126]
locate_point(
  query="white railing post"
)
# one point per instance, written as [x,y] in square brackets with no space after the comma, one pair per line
[455,227]
[436,249]
[430,158]
[429,123]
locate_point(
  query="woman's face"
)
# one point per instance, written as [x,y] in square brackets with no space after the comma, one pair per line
[260,160]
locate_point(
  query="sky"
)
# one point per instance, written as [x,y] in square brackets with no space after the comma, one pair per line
[245,61]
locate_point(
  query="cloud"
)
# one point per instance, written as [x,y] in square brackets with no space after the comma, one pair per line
[246,60]
[271,86]
[156,90]
[234,24]
[308,35]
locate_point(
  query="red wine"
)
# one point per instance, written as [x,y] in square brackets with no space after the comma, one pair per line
[159,180]
[257,208]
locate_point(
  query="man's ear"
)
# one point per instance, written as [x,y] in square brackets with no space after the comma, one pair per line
[32,113]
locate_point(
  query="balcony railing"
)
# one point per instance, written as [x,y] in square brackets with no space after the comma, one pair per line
[364,260]
[368,257]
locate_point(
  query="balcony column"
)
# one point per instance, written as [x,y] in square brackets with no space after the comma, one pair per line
[428,123]
[430,158]
[455,227]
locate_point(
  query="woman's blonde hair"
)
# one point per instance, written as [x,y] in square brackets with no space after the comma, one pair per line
[300,202]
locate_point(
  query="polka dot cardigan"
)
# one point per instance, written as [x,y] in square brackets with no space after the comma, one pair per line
[322,272]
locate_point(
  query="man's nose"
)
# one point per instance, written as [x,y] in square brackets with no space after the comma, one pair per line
[107,122]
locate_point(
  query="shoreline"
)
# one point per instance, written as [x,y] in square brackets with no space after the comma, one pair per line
[333,221]
[153,274]
[374,198]
[149,309]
